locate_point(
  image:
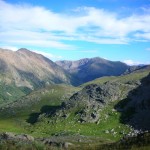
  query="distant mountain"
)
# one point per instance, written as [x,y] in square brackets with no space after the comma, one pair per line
[88,69]
[137,68]
[23,71]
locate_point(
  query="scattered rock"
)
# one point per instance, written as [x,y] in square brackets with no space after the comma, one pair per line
[21,137]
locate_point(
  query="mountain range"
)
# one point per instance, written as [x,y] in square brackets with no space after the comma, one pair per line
[91,68]
[23,71]
[92,103]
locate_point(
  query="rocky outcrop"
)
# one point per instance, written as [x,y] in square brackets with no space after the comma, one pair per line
[136,107]
[54,143]
[48,143]
[19,137]
[88,102]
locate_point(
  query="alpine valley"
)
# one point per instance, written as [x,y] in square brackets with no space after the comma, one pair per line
[92,103]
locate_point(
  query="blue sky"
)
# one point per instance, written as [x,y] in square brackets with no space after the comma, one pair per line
[75,29]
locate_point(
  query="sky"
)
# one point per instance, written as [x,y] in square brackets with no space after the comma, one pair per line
[117,30]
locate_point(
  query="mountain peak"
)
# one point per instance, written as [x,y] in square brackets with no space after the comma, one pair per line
[24,50]
[24,64]
[28,53]
[88,69]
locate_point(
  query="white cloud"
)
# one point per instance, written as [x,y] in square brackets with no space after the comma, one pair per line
[48,55]
[132,62]
[143,35]
[33,38]
[13,48]
[35,25]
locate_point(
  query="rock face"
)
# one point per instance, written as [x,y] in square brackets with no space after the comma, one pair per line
[136,111]
[88,102]
[89,69]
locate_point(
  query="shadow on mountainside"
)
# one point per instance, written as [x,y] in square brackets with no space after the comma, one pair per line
[135,109]
[47,110]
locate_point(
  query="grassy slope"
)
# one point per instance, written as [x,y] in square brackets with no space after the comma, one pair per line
[13,118]
[124,78]
[70,126]
[53,96]
[9,93]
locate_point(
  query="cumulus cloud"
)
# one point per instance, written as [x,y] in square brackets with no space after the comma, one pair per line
[132,62]
[35,25]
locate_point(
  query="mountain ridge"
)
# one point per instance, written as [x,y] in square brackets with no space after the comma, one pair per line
[91,68]
[108,107]
[23,71]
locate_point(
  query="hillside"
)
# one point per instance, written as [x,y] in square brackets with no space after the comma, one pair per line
[24,71]
[89,69]
[16,115]
[105,107]
[129,95]
[135,108]
[138,68]
[99,112]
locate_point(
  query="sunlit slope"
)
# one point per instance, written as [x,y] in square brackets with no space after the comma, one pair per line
[23,71]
